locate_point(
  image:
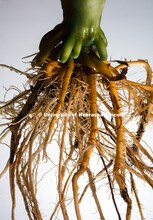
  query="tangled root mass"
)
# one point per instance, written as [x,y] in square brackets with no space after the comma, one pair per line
[87,107]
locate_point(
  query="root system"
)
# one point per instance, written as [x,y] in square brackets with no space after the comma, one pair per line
[86,105]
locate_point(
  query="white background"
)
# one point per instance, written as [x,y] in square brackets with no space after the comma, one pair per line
[128,25]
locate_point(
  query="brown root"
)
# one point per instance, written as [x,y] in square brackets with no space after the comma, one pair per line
[83,106]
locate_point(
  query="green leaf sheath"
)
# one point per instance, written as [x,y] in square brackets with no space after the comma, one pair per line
[80,29]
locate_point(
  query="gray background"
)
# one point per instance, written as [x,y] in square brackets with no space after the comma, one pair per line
[128,28]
